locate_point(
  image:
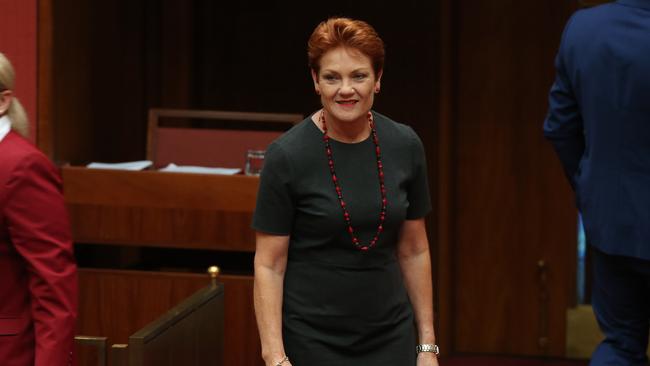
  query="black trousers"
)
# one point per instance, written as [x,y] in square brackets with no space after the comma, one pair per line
[621,302]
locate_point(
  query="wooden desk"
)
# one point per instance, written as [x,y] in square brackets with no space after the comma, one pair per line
[138,209]
[161,209]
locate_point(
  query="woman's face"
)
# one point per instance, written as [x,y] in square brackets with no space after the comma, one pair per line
[5,101]
[347,84]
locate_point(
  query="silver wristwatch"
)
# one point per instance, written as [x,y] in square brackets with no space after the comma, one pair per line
[428,347]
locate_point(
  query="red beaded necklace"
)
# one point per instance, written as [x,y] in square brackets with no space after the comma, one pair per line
[380,169]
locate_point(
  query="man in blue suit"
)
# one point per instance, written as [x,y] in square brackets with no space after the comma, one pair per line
[599,124]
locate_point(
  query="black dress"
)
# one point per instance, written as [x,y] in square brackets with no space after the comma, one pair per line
[342,306]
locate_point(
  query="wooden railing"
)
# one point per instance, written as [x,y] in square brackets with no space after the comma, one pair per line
[191,333]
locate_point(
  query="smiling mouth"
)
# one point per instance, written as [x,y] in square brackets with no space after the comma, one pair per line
[347,102]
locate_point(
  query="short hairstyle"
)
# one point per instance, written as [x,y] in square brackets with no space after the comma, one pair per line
[345,32]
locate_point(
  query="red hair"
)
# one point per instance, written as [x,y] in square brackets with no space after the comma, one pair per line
[345,32]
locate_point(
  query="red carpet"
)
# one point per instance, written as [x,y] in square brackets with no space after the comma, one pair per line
[506,361]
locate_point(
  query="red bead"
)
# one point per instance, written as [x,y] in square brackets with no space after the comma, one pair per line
[380,167]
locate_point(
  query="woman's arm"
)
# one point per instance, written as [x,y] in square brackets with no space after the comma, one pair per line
[415,263]
[270,264]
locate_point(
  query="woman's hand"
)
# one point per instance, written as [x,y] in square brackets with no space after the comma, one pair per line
[427,359]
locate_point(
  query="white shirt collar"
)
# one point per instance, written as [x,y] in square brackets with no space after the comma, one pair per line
[5,126]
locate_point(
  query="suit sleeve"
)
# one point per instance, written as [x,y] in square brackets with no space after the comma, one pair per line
[39,229]
[563,126]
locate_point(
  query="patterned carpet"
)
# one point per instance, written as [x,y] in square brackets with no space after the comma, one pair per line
[506,361]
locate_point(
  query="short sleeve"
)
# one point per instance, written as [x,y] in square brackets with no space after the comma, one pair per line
[274,210]
[418,186]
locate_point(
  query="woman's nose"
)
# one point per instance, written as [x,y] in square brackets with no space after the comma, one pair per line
[346,88]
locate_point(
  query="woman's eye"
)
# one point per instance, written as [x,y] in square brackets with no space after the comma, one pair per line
[330,78]
[360,76]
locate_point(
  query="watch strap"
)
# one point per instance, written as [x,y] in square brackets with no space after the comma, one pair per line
[428,347]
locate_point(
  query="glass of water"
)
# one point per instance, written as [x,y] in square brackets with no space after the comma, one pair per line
[254,162]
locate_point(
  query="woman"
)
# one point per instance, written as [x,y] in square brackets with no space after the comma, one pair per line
[38,286]
[342,266]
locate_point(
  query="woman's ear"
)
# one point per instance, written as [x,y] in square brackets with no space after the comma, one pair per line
[378,81]
[5,101]
[314,77]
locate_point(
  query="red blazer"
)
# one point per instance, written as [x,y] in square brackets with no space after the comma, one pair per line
[38,274]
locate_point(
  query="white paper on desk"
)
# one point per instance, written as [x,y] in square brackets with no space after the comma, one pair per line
[199,169]
[131,165]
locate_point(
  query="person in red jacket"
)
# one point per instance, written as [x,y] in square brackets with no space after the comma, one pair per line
[38,274]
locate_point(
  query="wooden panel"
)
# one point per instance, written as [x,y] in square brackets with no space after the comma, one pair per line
[443,264]
[242,343]
[98,61]
[162,227]
[70,77]
[192,333]
[119,355]
[149,208]
[44,124]
[511,203]
[117,303]
[90,351]
[159,189]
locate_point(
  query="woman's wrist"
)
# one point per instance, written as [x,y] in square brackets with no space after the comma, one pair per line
[427,336]
[272,358]
[282,361]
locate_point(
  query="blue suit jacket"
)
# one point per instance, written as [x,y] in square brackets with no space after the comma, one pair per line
[599,122]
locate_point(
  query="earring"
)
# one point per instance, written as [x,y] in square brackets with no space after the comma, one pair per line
[317,92]
[376,90]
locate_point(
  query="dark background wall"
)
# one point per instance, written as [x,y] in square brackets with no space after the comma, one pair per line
[120,58]
[470,76]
